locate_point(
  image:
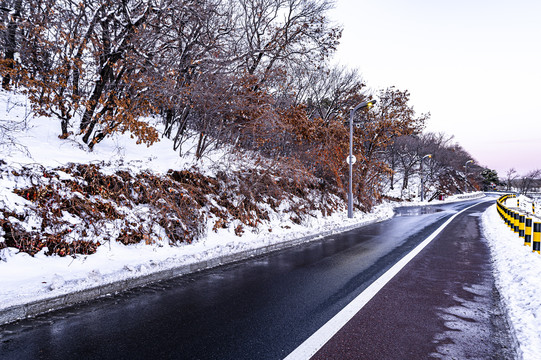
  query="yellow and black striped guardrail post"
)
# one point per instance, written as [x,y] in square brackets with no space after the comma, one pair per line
[523,225]
[528,232]
[509,218]
[512,219]
[537,237]
[504,211]
[521,220]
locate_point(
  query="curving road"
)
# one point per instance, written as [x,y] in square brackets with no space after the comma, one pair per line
[262,308]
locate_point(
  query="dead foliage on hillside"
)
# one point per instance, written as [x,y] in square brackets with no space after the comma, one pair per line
[74,209]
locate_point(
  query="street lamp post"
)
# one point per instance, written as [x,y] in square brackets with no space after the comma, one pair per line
[364,104]
[466,175]
[423,178]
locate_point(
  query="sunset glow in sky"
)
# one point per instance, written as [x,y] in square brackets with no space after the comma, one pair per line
[474,65]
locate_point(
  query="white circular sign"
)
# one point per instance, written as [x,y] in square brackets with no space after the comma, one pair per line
[353,159]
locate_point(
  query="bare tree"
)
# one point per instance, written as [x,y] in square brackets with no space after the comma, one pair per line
[118,49]
[526,183]
[510,176]
[392,117]
[86,55]
[9,129]
[197,45]
[51,57]
[331,92]
[276,32]
[409,150]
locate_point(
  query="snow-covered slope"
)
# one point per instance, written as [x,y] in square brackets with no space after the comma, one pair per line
[34,148]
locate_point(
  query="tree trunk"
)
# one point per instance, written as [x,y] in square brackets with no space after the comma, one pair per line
[87,122]
[79,55]
[405,181]
[183,122]
[393,167]
[201,145]
[64,128]
[11,43]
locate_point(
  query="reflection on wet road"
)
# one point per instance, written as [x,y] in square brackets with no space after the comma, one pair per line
[262,308]
[417,210]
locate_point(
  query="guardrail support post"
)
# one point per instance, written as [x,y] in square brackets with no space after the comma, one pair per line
[521,220]
[536,237]
[528,232]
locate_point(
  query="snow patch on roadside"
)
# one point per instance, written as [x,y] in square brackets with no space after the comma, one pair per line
[517,277]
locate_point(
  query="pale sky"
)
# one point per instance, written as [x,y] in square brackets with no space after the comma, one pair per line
[475,65]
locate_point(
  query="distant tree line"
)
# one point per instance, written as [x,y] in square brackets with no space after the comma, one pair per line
[444,171]
[525,184]
[254,74]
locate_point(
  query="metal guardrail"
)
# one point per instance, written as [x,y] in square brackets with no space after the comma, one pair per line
[524,223]
[470,195]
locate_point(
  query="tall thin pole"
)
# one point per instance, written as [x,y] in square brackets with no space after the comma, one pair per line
[422,182]
[350,192]
[350,158]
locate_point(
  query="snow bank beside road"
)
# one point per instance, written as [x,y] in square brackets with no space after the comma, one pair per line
[517,276]
[27,279]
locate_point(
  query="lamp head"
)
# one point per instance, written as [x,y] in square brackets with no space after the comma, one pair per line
[366,104]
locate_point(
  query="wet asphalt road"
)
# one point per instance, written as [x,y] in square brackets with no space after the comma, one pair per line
[443,305]
[258,309]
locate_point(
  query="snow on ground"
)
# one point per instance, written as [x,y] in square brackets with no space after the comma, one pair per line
[517,277]
[38,143]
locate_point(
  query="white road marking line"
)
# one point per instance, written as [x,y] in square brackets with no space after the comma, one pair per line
[315,342]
